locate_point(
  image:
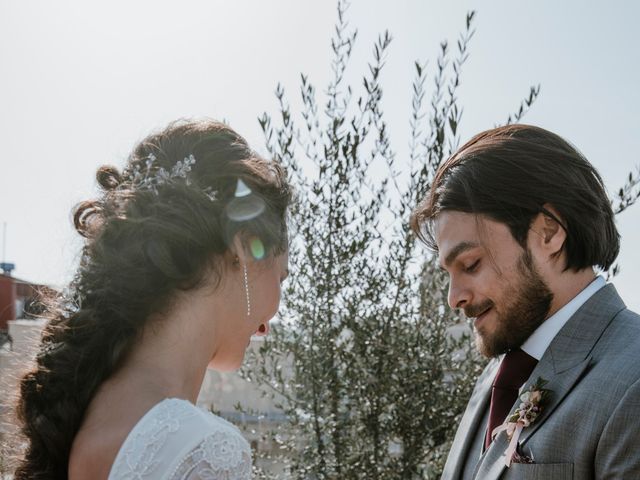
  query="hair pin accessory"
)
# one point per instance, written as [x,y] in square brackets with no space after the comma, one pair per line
[152,178]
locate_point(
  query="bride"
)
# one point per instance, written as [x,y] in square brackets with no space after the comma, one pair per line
[184,255]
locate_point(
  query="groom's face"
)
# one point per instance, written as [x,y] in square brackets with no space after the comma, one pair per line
[492,279]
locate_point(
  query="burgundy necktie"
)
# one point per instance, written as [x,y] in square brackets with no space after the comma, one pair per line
[515,369]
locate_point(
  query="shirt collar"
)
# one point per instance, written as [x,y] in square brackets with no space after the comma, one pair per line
[540,340]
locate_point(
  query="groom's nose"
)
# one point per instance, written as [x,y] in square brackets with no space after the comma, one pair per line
[459,294]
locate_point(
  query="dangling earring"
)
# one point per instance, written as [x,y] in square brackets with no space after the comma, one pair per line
[246,289]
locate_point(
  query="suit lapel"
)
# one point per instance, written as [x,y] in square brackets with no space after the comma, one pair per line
[562,365]
[569,353]
[491,464]
[560,384]
[473,415]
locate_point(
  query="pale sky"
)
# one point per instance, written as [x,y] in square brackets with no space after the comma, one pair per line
[83,81]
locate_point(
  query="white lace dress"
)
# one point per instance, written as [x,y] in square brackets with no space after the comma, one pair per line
[176,440]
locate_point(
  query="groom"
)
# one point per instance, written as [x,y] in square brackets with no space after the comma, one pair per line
[519,220]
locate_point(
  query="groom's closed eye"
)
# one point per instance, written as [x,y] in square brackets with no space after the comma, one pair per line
[472,267]
[469,266]
[454,254]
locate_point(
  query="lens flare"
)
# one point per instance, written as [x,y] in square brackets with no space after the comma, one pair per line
[257,248]
[246,208]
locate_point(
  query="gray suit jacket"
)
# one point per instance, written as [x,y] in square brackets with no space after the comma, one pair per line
[590,426]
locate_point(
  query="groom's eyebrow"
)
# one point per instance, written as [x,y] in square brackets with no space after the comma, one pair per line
[458,250]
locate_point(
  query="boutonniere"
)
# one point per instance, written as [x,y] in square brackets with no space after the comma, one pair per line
[532,404]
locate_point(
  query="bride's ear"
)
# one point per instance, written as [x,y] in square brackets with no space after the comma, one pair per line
[238,249]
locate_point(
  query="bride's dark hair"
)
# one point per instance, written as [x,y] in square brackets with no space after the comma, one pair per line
[142,245]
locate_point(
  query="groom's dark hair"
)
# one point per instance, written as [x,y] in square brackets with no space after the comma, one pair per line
[509,174]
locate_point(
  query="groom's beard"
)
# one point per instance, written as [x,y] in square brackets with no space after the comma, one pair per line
[529,301]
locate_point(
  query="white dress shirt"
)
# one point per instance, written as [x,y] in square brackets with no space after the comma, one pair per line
[540,340]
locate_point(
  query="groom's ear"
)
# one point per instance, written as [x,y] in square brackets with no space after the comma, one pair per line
[547,233]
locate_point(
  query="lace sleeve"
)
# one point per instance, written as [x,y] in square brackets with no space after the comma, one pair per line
[219,456]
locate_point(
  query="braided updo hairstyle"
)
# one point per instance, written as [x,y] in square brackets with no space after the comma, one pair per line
[142,246]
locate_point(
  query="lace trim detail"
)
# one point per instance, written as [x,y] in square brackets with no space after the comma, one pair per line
[139,459]
[223,455]
[176,436]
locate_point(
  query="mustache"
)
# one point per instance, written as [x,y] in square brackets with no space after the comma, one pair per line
[473,311]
